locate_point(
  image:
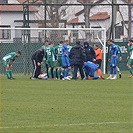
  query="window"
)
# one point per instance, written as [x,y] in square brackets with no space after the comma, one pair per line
[3,1]
[5,33]
[119,31]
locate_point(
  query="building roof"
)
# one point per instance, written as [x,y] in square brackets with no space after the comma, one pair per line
[15,8]
[22,1]
[90,1]
[73,21]
[95,17]
[100,16]
[128,1]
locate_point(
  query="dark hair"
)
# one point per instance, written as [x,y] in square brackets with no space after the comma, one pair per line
[78,42]
[111,40]
[19,52]
[131,40]
[50,43]
[46,41]
[96,45]
[61,42]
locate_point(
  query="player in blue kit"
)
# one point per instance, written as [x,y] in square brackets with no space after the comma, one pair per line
[90,68]
[113,59]
[65,60]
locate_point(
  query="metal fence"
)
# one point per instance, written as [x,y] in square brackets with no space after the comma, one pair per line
[29,42]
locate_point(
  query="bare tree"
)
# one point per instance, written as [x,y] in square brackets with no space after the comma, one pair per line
[130,20]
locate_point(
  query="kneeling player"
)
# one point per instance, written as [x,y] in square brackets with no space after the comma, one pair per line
[90,68]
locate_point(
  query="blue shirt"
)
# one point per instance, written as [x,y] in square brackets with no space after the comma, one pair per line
[90,65]
[64,50]
[113,49]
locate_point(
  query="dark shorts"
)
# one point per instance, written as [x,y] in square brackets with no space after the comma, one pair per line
[98,63]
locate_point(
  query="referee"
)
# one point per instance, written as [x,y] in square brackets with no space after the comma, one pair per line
[37,59]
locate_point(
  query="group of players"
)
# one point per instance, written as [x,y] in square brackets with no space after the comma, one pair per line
[57,62]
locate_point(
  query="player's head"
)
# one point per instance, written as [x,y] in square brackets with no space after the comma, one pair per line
[46,42]
[130,42]
[61,42]
[110,42]
[51,44]
[78,42]
[86,44]
[66,42]
[96,46]
[18,53]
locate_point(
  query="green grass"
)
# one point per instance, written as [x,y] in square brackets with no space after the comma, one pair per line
[40,106]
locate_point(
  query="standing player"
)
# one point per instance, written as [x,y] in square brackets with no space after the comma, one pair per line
[130,57]
[113,59]
[119,58]
[45,47]
[65,61]
[90,68]
[7,62]
[51,58]
[98,61]
[58,51]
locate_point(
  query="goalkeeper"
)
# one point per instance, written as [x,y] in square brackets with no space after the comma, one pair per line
[8,61]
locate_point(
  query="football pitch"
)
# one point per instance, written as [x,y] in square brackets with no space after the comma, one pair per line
[41,106]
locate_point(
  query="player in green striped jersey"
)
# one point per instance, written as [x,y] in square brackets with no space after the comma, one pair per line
[58,52]
[45,47]
[51,59]
[7,61]
[119,58]
[130,57]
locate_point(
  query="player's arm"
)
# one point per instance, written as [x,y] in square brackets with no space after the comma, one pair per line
[115,50]
[53,50]
[64,50]
[120,52]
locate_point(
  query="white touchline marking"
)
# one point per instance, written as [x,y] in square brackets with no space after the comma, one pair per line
[61,125]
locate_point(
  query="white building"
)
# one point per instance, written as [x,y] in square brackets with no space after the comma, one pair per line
[11,16]
[101,16]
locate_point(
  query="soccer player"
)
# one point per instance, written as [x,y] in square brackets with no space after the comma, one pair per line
[98,61]
[119,58]
[43,76]
[7,62]
[51,59]
[58,51]
[90,68]
[130,57]
[65,60]
[45,46]
[113,59]
[37,59]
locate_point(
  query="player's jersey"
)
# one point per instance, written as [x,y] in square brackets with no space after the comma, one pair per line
[90,65]
[10,56]
[113,49]
[69,48]
[119,50]
[130,49]
[50,53]
[44,47]
[98,53]
[58,50]
[64,50]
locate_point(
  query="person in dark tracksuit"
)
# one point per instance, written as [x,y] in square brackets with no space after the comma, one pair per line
[89,51]
[77,58]
[37,59]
